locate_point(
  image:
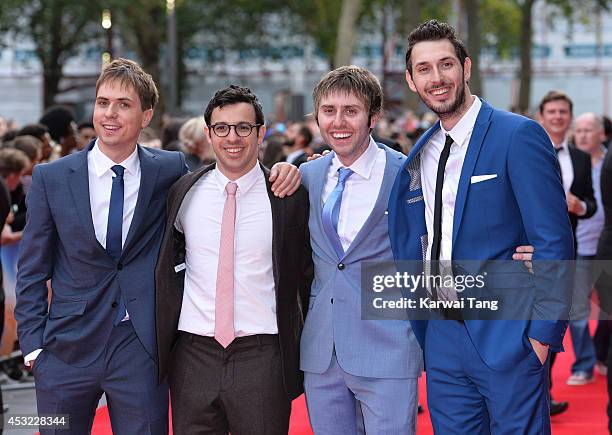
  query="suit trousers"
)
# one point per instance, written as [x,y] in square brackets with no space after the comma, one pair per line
[239,389]
[341,403]
[126,374]
[465,396]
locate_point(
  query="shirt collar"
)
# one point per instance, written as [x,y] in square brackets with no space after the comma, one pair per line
[103,163]
[245,183]
[464,127]
[563,146]
[364,165]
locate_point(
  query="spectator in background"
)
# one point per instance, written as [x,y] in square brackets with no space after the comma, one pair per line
[3,127]
[41,132]
[86,134]
[297,140]
[555,113]
[148,138]
[170,134]
[195,144]
[13,164]
[588,137]
[60,122]
[32,147]
[273,151]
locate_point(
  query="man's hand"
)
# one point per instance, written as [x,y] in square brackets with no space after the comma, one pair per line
[575,205]
[524,254]
[540,349]
[285,179]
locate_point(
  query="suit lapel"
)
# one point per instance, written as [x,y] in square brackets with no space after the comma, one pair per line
[478,134]
[277,207]
[321,167]
[149,169]
[79,187]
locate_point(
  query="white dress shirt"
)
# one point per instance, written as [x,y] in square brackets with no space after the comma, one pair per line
[565,163]
[430,156]
[199,219]
[100,185]
[360,191]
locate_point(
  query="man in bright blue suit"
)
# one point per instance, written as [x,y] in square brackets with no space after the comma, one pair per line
[476,185]
[359,373]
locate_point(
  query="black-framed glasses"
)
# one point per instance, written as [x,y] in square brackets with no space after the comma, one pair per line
[242,129]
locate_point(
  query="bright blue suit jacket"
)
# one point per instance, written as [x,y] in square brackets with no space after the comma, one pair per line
[59,243]
[523,205]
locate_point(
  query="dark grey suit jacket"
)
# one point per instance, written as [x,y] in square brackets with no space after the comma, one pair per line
[292,267]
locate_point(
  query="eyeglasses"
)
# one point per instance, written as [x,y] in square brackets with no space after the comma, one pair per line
[242,129]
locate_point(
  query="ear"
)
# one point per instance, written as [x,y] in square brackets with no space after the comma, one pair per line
[374,120]
[411,84]
[261,133]
[146,119]
[207,131]
[467,69]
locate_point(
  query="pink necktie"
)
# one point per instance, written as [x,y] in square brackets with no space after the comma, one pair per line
[224,299]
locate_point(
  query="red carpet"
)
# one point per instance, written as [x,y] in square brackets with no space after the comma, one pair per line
[586,413]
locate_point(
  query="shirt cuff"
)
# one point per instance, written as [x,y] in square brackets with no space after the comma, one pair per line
[31,357]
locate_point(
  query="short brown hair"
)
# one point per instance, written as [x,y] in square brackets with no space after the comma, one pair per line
[128,72]
[434,30]
[12,161]
[30,145]
[556,96]
[350,80]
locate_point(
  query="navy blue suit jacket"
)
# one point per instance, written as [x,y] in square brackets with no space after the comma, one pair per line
[524,204]
[59,244]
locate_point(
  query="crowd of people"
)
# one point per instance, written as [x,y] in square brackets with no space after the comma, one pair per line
[355,372]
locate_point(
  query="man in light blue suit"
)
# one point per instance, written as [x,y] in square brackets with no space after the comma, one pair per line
[358,373]
[476,185]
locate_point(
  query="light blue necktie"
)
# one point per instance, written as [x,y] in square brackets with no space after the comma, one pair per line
[331,211]
[114,228]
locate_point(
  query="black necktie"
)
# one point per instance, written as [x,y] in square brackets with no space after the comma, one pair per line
[557,150]
[437,239]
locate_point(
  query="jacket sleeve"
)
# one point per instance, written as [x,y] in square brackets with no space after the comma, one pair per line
[35,266]
[536,184]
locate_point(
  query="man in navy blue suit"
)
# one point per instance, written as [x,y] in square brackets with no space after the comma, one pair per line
[477,184]
[94,229]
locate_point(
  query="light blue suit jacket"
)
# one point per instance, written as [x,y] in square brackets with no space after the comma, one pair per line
[524,204]
[370,348]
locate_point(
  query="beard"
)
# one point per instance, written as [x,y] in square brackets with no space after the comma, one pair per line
[445,110]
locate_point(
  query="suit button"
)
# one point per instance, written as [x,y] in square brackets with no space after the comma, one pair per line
[114,305]
[120,266]
[341,266]
[332,300]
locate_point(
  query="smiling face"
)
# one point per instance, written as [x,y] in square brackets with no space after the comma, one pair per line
[118,117]
[439,78]
[556,118]
[343,121]
[235,155]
